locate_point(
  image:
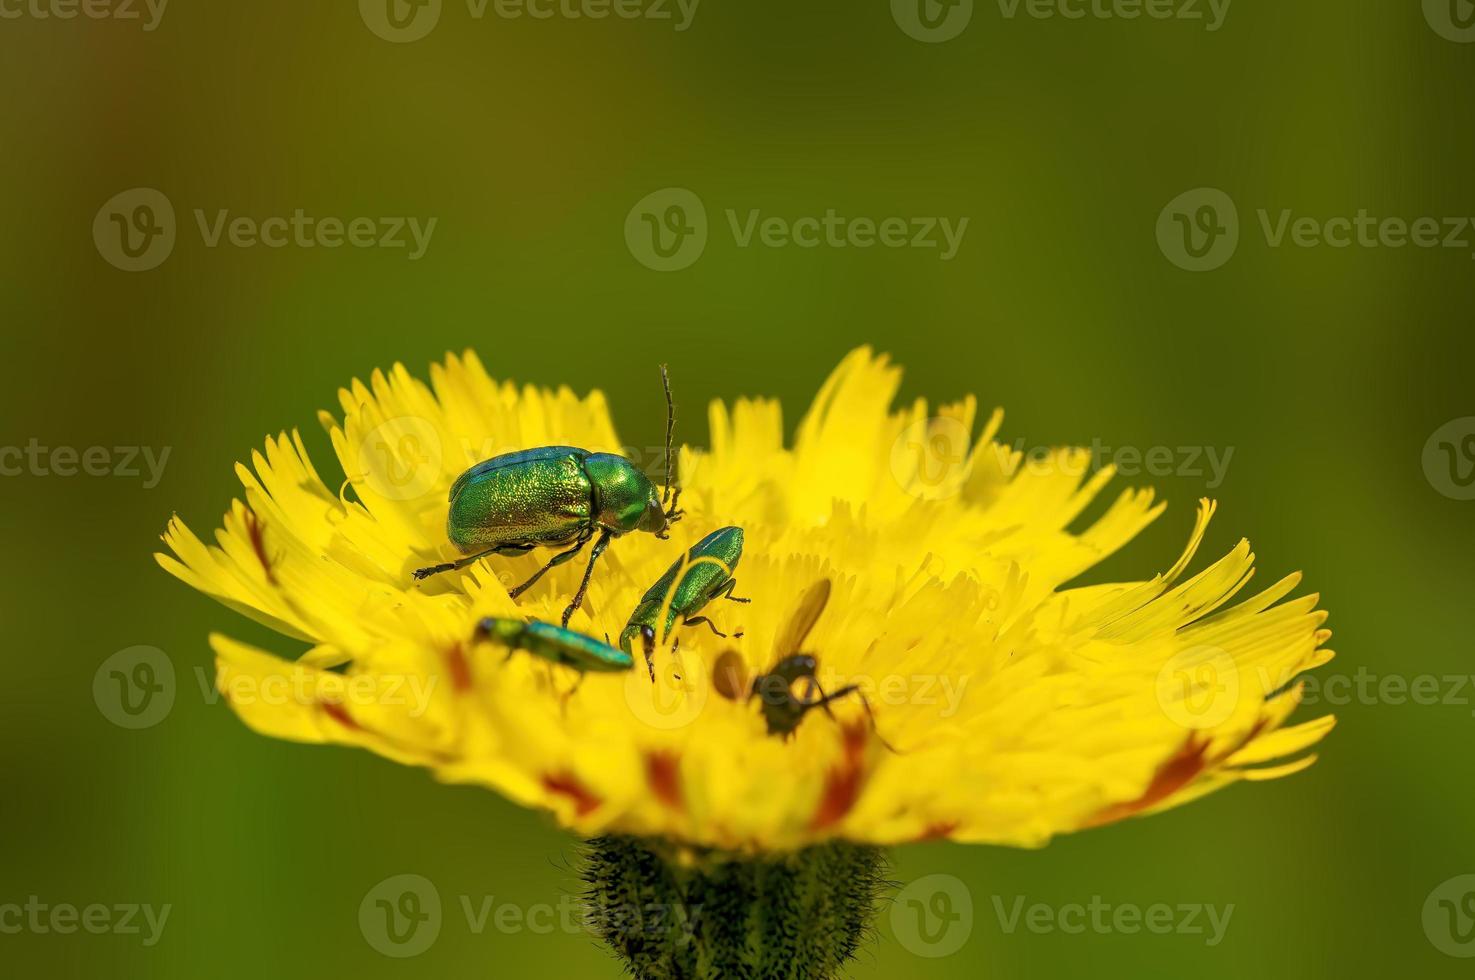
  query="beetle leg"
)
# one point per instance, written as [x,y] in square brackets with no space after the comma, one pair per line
[557,559]
[699,620]
[578,599]
[572,691]
[451,566]
[726,592]
[648,643]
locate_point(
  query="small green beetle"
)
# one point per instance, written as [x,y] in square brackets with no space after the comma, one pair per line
[553,643]
[706,574]
[554,496]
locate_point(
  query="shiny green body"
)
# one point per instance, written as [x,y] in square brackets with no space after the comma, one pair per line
[698,586]
[554,643]
[549,496]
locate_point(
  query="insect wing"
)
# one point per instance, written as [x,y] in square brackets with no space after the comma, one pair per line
[811,606]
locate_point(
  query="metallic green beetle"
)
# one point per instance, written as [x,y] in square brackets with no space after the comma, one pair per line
[553,643]
[553,496]
[708,575]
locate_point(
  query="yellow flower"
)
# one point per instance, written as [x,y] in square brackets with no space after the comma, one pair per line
[1019,707]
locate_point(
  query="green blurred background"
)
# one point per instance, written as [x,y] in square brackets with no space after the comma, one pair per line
[530,140]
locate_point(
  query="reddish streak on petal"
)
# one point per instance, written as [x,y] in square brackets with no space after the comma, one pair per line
[585,802]
[460,669]
[1170,777]
[842,785]
[663,772]
[938,831]
[338,714]
[1191,762]
[257,533]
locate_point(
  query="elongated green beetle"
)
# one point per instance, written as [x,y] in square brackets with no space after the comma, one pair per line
[554,496]
[705,574]
[556,644]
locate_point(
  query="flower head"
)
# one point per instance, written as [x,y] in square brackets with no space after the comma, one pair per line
[1000,704]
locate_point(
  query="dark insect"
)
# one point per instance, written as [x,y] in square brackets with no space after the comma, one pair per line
[789,690]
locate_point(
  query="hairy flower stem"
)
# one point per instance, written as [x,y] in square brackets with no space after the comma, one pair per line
[695,914]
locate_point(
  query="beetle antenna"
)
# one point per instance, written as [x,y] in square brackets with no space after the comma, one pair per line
[670,496]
